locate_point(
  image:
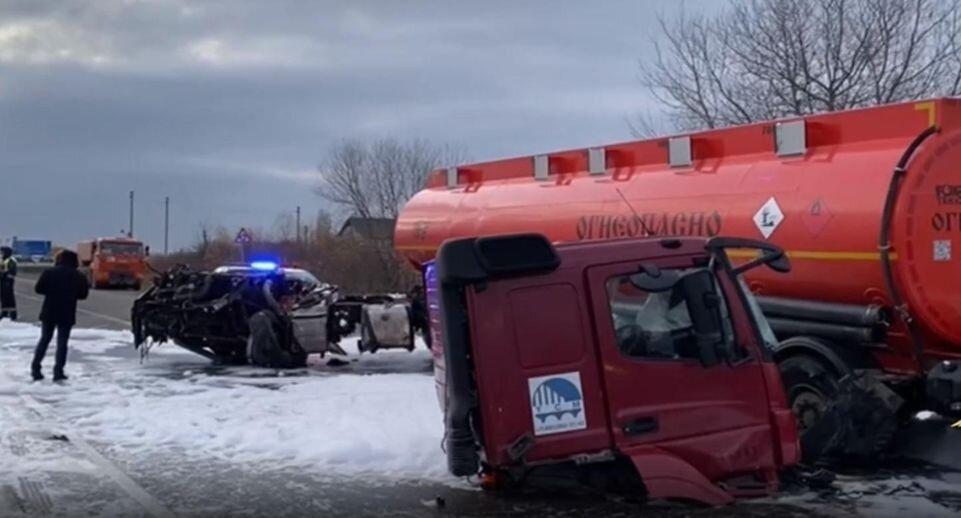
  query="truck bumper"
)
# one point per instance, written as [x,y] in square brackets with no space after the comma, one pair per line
[125,279]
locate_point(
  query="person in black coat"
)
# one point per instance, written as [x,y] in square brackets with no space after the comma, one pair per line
[61,286]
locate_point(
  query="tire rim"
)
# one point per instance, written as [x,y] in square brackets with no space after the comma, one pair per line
[808,406]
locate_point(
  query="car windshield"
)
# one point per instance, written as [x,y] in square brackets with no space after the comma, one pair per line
[301,279]
[295,279]
[121,248]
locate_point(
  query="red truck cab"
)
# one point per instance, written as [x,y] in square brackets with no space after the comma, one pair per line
[647,351]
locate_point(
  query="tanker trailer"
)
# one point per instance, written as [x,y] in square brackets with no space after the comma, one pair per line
[867,204]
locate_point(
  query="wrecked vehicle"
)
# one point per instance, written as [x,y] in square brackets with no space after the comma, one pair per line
[264,315]
[639,362]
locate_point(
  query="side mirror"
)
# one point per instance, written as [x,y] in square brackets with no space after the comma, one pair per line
[704,305]
[146,251]
[781,264]
[769,254]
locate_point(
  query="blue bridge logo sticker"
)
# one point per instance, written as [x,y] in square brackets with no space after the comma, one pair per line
[557,403]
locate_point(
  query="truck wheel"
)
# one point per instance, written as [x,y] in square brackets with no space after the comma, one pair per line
[811,386]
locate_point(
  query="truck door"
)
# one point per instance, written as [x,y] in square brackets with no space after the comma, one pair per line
[662,400]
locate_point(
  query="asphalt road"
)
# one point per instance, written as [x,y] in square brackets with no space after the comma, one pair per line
[105,309]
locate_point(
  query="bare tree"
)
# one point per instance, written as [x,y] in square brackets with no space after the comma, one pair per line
[284,227]
[764,59]
[376,179]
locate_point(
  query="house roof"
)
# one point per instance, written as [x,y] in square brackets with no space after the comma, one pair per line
[369,228]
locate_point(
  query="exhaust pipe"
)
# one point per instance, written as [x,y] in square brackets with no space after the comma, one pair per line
[829,312]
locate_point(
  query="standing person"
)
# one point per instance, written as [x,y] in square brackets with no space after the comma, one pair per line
[8,274]
[420,320]
[61,286]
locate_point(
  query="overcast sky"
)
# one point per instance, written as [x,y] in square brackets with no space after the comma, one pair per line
[229,106]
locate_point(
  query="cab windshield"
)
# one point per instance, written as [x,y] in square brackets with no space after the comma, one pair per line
[658,324]
[109,248]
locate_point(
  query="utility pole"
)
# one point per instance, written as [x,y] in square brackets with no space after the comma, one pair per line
[130,227]
[166,224]
[298,224]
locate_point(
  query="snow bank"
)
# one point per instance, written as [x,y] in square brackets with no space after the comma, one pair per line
[357,421]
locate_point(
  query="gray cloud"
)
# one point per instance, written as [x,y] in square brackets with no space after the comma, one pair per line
[228,106]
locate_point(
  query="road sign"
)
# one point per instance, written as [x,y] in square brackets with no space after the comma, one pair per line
[242,236]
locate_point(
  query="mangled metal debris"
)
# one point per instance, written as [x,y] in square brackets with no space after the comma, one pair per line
[272,317]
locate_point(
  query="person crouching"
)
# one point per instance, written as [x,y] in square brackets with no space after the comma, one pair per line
[61,286]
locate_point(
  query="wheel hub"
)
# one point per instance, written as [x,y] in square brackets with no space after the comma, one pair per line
[808,406]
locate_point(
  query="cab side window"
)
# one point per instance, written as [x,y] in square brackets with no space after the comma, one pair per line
[654,325]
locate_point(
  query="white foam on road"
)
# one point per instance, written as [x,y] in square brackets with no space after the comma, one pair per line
[321,420]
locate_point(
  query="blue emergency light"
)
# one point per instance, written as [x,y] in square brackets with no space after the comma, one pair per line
[266,266]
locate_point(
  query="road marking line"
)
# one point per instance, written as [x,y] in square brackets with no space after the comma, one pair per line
[79,310]
[149,503]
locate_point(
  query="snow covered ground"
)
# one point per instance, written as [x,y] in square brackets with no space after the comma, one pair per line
[370,429]
[333,421]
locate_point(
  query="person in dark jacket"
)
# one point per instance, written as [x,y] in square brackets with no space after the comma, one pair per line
[8,275]
[61,286]
[419,318]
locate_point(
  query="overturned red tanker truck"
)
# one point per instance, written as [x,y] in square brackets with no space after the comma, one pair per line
[866,203]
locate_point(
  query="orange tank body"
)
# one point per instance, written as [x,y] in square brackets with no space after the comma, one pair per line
[824,202]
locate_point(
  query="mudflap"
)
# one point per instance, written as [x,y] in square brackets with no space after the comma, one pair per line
[667,477]
[860,423]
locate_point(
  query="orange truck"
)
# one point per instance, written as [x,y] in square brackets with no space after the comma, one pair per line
[866,203]
[113,261]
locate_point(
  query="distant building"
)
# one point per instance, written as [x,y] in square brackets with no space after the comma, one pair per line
[368,229]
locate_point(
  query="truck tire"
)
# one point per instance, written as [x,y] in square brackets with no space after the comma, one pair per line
[810,386]
[842,419]
[264,348]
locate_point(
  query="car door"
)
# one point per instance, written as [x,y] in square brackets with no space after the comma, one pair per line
[659,394]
